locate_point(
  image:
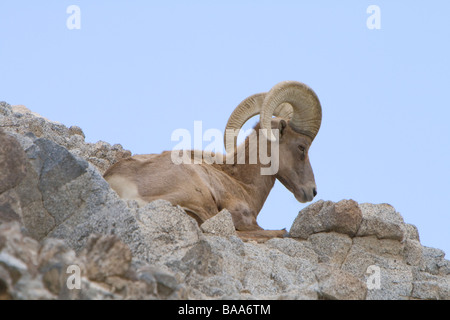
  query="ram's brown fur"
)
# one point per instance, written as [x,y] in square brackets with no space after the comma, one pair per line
[204,189]
[239,186]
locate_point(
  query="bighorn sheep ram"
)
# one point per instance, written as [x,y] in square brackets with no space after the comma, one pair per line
[204,189]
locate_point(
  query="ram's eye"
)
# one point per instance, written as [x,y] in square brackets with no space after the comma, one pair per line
[302,152]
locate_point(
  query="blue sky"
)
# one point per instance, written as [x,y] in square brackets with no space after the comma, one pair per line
[138,70]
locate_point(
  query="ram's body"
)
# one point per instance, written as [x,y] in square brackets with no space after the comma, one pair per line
[204,189]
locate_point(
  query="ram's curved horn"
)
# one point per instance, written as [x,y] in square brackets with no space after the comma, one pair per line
[284,110]
[307,112]
[248,108]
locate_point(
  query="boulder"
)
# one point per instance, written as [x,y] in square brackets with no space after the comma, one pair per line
[60,221]
[221,224]
[326,216]
[382,221]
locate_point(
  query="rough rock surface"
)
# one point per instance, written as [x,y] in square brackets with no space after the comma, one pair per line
[19,119]
[64,234]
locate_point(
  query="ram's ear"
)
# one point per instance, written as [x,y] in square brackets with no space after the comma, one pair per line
[281,127]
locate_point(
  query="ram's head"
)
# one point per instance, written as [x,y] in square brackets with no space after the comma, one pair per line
[298,116]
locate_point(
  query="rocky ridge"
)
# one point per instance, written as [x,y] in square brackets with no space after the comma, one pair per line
[60,220]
